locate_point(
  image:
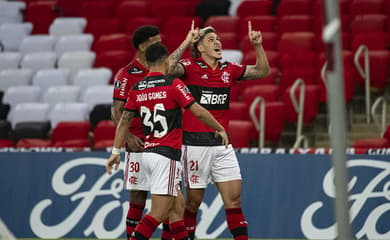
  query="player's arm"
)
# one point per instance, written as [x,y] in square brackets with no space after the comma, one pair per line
[205,116]
[176,69]
[121,134]
[261,68]
[116,111]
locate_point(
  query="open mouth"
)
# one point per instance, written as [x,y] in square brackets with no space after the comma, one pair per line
[217,50]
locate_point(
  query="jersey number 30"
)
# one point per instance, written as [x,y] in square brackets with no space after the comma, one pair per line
[151,121]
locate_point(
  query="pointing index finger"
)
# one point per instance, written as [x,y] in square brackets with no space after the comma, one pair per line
[249,26]
[192,25]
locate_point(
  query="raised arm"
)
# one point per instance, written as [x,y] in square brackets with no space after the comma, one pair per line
[205,116]
[120,136]
[261,68]
[176,69]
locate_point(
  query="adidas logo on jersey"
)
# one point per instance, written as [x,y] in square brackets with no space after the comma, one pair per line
[213,98]
[204,76]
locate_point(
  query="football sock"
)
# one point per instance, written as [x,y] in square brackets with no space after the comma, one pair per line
[166,234]
[145,228]
[237,224]
[190,223]
[134,214]
[178,230]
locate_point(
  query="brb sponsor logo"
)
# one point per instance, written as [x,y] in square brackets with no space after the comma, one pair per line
[360,195]
[88,204]
[214,99]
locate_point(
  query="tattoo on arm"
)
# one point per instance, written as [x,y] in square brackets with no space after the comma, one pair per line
[116,111]
[175,68]
[251,72]
[127,116]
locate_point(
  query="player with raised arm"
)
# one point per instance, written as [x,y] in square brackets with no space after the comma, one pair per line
[126,77]
[204,159]
[158,100]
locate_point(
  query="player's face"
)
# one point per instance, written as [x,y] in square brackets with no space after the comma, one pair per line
[150,41]
[211,46]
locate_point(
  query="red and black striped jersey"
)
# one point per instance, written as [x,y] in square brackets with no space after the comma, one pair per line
[158,100]
[211,89]
[124,81]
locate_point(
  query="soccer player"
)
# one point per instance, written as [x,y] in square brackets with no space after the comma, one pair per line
[126,77]
[158,100]
[204,159]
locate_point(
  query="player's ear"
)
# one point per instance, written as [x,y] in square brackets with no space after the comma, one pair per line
[200,48]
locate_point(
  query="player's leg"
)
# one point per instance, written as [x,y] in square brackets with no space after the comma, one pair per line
[177,226]
[197,166]
[227,176]
[164,175]
[132,175]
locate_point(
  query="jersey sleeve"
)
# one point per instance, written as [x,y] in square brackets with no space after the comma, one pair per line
[182,94]
[121,86]
[130,103]
[238,71]
[186,63]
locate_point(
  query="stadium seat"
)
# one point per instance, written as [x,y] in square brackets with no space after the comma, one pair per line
[310,105]
[37,43]
[69,8]
[274,121]
[99,113]
[116,41]
[237,110]
[172,42]
[78,139]
[182,26]
[33,143]
[102,26]
[259,23]
[46,78]
[374,40]
[254,8]
[21,94]
[132,24]
[12,34]
[97,9]
[295,23]
[61,94]
[223,24]
[270,42]
[113,60]
[291,74]
[270,93]
[72,43]
[103,132]
[29,112]
[296,42]
[387,133]
[298,59]
[232,55]
[41,14]
[167,9]
[30,130]
[92,77]
[39,60]
[94,95]
[65,112]
[11,12]
[127,10]
[366,7]
[371,143]
[15,77]
[65,26]
[379,68]
[75,61]
[272,56]
[318,8]
[10,60]
[368,23]
[239,130]
[294,7]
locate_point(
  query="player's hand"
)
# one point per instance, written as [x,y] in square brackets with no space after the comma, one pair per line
[135,143]
[254,36]
[193,34]
[224,136]
[114,159]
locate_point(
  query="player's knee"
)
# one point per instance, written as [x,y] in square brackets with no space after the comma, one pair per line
[138,197]
[193,204]
[234,201]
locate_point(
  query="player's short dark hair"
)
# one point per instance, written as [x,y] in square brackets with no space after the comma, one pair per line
[143,33]
[155,53]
